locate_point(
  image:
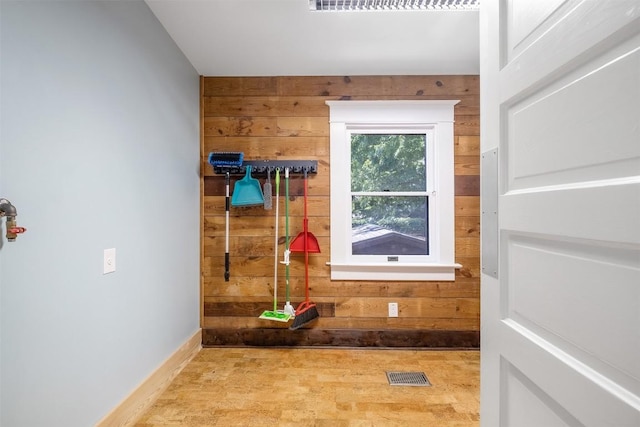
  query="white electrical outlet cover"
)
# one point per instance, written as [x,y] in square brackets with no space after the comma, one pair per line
[393,309]
[109,260]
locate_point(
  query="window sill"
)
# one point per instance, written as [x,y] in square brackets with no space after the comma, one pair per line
[386,272]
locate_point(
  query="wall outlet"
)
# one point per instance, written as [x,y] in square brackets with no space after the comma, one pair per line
[393,309]
[109,262]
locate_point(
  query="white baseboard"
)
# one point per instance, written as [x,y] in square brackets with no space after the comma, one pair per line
[141,399]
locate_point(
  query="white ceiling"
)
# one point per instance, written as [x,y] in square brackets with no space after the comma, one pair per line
[285,38]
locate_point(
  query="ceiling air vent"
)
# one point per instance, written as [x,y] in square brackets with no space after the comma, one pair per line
[384,5]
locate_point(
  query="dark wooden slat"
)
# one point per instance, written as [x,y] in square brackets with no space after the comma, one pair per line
[309,337]
[467,185]
[366,323]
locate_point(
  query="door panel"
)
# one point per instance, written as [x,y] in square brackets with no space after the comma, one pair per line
[525,20]
[526,404]
[583,127]
[584,393]
[560,98]
[577,31]
[576,315]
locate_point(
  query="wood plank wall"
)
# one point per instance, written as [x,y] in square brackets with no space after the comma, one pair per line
[280,118]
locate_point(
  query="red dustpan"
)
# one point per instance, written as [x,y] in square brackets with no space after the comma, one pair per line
[305,241]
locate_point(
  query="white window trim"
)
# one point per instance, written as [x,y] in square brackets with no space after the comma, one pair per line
[437,115]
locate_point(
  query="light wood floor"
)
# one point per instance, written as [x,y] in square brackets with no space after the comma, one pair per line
[320,387]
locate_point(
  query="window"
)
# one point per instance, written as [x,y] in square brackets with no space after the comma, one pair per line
[392,192]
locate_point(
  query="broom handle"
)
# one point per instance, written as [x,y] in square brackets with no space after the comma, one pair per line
[306,264]
[306,237]
[286,221]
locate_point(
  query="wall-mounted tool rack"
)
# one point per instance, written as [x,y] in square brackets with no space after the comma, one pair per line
[259,167]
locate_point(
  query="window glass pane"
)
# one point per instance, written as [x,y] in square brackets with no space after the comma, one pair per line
[388,162]
[388,225]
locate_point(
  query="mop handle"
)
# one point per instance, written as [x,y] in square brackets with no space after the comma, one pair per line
[275,262]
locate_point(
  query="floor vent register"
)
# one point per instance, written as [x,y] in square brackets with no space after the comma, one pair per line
[418,379]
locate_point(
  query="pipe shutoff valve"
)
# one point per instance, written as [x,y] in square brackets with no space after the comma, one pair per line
[10,211]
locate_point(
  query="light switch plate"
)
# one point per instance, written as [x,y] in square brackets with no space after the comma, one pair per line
[109,260]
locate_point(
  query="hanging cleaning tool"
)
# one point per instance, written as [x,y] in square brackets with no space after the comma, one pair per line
[288,308]
[307,311]
[227,273]
[275,314]
[226,159]
[247,191]
[305,241]
[268,203]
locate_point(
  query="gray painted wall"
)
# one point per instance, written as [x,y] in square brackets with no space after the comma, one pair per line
[99,148]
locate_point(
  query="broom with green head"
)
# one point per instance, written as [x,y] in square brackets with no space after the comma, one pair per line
[275,314]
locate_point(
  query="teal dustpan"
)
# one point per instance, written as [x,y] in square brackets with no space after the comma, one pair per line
[247,191]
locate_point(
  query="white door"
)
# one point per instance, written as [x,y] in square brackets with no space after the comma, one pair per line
[560,87]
